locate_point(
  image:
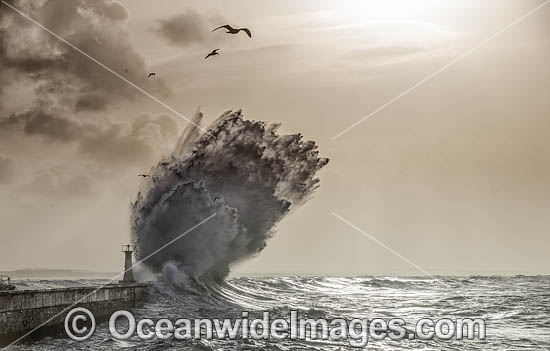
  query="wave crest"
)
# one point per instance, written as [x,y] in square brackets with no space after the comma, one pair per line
[243,172]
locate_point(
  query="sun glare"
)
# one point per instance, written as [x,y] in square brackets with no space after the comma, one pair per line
[393,9]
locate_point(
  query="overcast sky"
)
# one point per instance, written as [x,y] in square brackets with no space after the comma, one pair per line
[454,176]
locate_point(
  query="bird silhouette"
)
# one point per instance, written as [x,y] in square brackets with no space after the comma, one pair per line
[144,175]
[213,53]
[231,30]
[151,74]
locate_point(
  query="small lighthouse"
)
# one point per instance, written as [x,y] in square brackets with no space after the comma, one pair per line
[128,265]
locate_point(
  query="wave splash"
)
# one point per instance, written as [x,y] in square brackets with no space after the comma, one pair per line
[243,173]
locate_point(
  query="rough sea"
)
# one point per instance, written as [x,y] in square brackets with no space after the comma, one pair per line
[232,186]
[516,310]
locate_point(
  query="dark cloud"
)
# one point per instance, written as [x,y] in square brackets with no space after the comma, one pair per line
[96,28]
[112,144]
[139,143]
[112,10]
[91,102]
[187,28]
[63,82]
[40,123]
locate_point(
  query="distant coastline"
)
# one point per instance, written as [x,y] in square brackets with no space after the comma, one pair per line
[48,273]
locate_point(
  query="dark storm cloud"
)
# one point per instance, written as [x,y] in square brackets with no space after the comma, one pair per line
[96,28]
[112,10]
[64,82]
[114,146]
[186,28]
[138,143]
[40,123]
[92,102]
[109,143]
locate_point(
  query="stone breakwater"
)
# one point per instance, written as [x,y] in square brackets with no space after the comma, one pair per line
[24,310]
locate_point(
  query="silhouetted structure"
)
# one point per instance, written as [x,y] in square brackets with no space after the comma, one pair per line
[128,265]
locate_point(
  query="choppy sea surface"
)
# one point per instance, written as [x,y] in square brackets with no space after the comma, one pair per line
[516,310]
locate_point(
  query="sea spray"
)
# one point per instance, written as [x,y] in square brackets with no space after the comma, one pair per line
[242,172]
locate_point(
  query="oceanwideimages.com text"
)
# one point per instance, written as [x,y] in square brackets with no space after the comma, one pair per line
[358,332]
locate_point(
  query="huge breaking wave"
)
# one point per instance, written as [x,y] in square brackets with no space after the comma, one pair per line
[243,174]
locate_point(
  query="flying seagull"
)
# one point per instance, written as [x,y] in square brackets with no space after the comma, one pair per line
[213,53]
[151,74]
[231,30]
[143,175]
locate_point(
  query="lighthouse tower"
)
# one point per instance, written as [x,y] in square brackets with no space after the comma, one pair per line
[128,265]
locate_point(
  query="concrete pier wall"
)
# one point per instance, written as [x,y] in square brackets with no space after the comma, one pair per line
[22,311]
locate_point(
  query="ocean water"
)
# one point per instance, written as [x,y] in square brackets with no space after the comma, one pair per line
[516,310]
